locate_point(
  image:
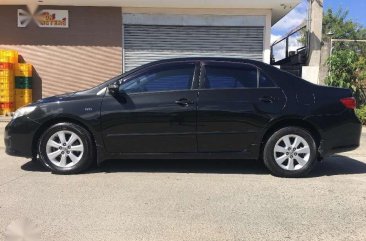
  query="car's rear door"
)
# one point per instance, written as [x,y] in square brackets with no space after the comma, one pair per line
[236,101]
[157,113]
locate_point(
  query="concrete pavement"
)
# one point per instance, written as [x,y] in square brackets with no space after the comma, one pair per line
[188,200]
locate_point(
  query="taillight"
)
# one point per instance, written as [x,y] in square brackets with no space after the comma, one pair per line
[349,103]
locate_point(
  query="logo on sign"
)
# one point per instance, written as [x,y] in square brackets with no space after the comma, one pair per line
[45,18]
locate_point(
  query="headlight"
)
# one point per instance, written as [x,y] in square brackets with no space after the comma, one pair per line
[23,111]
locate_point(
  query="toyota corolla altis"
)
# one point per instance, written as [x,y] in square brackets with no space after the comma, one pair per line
[190,108]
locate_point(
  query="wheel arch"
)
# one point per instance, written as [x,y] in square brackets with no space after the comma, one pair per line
[311,128]
[55,121]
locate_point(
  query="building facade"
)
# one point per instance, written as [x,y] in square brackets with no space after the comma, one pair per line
[103,41]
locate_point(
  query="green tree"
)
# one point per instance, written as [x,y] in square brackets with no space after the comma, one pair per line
[341,27]
[347,64]
[347,70]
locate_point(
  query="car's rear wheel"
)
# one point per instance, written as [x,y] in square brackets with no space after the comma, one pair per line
[290,152]
[66,148]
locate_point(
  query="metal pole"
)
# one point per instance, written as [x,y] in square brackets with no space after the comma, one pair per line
[350,40]
[330,55]
[331,46]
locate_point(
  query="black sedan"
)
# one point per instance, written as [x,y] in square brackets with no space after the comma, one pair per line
[190,108]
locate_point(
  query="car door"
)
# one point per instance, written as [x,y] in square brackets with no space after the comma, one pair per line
[236,101]
[155,113]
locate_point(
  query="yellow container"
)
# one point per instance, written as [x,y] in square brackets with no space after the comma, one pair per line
[8,56]
[23,92]
[6,97]
[23,97]
[6,112]
[23,70]
[6,72]
[5,65]
[20,103]
[7,86]
[7,91]
[6,80]
[6,108]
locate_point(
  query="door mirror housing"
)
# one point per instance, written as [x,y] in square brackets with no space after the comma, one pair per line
[113,89]
[120,95]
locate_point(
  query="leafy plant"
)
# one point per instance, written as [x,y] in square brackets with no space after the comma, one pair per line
[347,70]
[347,64]
[361,114]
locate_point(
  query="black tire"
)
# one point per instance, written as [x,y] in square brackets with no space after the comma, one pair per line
[269,156]
[86,158]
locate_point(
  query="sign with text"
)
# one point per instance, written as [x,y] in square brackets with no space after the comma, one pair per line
[45,18]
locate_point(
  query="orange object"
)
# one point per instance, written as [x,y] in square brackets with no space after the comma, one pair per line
[7,105]
[6,108]
[6,66]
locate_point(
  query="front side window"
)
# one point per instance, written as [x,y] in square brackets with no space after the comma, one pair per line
[235,76]
[166,78]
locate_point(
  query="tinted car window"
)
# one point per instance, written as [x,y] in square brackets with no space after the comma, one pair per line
[175,77]
[265,81]
[224,77]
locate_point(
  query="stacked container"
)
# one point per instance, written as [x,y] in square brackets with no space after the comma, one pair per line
[23,85]
[8,58]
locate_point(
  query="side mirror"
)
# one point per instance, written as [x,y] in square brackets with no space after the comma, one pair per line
[113,89]
[116,93]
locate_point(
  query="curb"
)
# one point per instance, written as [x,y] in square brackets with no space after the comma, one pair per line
[5,119]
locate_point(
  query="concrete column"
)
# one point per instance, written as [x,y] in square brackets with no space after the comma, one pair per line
[316,26]
[323,73]
[267,39]
[312,71]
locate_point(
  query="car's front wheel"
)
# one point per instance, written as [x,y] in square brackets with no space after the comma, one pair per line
[66,148]
[290,152]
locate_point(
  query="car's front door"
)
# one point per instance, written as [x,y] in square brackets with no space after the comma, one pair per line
[156,112]
[236,101]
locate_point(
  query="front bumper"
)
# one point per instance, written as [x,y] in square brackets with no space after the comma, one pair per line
[19,135]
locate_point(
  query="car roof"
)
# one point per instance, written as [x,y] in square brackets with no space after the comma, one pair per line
[269,69]
[226,59]
[280,76]
[189,59]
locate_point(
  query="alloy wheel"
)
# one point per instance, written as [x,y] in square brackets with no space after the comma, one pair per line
[64,149]
[291,152]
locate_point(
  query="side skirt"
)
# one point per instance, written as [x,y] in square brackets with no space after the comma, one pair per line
[220,155]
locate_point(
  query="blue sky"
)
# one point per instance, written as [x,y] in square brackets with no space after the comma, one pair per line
[357,9]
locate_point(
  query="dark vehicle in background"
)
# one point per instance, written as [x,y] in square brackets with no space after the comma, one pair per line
[190,108]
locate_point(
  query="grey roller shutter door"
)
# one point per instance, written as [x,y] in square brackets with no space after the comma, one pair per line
[147,43]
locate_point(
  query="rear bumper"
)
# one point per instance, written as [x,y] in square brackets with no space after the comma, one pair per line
[18,138]
[326,151]
[340,134]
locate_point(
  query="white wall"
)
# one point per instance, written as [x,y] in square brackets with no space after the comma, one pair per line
[311,74]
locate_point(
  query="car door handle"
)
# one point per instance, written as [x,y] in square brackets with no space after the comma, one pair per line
[184,102]
[266,99]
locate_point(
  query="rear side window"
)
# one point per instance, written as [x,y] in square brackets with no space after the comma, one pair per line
[235,76]
[265,81]
[168,78]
